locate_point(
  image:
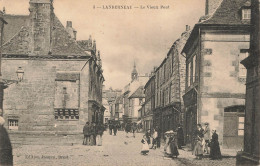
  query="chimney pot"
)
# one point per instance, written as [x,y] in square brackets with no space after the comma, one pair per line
[69,24]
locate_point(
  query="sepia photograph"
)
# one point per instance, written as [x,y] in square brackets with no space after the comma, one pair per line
[129,83]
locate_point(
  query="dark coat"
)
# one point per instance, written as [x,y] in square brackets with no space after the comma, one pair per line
[6,156]
[100,129]
[86,130]
[128,127]
[180,136]
[214,147]
[93,130]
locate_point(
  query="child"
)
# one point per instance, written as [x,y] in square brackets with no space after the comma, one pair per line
[145,149]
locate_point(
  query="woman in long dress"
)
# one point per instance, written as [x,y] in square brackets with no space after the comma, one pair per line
[145,148]
[173,142]
[198,149]
[214,147]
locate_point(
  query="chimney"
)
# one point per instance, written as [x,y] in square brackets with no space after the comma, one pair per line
[70,30]
[211,6]
[187,27]
[41,15]
[69,24]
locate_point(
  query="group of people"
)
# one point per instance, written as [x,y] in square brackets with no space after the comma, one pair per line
[93,134]
[150,141]
[130,128]
[113,127]
[203,142]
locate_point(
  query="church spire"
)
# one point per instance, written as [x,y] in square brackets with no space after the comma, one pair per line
[134,73]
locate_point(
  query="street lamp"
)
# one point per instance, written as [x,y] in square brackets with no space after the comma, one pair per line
[20,73]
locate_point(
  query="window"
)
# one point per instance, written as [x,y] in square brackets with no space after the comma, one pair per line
[242,70]
[194,68]
[188,74]
[140,101]
[66,114]
[13,124]
[190,70]
[246,14]
[241,121]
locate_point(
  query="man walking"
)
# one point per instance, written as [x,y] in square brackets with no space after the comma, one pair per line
[86,132]
[93,131]
[100,130]
[134,127]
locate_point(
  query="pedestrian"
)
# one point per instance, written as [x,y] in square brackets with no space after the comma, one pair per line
[206,138]
[100,130]
[158,138]
[127,128]
[155,137]
[180,136]
[110,128]
[172,149]
[145,148]
[148,136]
[6,156]
[86,132]
[134,127]
[214,147]
[93,134]
[115,129]
[198,148]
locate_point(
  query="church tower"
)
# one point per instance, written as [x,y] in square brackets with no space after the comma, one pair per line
[134,73]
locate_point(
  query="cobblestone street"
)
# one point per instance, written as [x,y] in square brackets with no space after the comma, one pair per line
[116,150]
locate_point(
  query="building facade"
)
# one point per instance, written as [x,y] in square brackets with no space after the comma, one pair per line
[251,152]
[149,104]
[215,79]
[133,96]
[170,86]
[110,95]
[61,87]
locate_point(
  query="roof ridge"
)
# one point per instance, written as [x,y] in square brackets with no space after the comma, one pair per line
[17,33]
[16,15]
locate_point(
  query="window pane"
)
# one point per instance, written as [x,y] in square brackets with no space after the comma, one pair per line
[241,119]
[240,132]
[241,126]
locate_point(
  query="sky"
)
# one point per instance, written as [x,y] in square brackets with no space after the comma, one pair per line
[124,36]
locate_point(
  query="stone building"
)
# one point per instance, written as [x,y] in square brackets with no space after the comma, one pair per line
[61,87]
[215,79]
[170,86]
[2,82]
[251,152]
[133,96]
[119,109]
[110,96]
[149,104]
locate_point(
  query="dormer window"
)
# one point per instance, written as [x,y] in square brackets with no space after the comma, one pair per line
[246,14]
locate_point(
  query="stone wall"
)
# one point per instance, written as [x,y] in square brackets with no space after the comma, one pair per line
[32,99]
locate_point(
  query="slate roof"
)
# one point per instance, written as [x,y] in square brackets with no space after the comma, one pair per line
[84,44]
[14,24]
[139,93]
[18,38]
[229,12]
[63,43]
